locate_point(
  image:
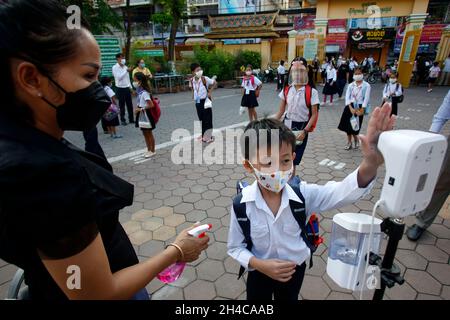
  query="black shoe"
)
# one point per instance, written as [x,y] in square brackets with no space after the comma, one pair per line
[124,123]
[414,232]
[131,121]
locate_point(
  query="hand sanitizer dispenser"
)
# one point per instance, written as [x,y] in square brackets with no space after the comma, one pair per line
[348,247]
[413,161]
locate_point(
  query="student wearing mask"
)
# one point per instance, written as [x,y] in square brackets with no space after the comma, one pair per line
[330,88]
[433,75]
[392,92]
[202,88]
[281,74]
[251,87]
[300,102]
[356,104]
[141,67]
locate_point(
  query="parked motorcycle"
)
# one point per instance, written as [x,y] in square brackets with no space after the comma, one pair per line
[374,75]
[268,75]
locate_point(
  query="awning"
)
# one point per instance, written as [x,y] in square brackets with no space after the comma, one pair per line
[235,34]
[202,40]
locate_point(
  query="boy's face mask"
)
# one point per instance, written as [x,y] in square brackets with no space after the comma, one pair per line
[274,181]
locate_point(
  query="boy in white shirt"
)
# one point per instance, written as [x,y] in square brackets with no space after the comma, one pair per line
[281,73]
[392,92]
[251,87]
[202,87]
[272,247]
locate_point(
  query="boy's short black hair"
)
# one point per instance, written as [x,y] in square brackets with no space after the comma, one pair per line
[258,126]
[282,62]
[194,66]
[119,55]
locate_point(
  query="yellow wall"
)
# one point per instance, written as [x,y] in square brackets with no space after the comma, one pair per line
[279,50]
[235,48]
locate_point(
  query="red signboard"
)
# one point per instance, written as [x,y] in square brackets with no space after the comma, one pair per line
[305,22]
[337,38]
[337,23]
[431,33]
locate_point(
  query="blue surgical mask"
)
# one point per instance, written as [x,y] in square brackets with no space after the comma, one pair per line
[142,65]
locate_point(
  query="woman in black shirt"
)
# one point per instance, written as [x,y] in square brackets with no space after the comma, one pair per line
[59,205]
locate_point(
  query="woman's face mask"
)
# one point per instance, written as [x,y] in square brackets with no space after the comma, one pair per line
[142,65]
[358,77]
[82,109]
[393,80]
[199,74]
[248,72]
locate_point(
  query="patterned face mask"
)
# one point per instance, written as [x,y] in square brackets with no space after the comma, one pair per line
[275,181]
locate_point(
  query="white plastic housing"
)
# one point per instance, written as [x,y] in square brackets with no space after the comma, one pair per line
[348,247]
[413,161]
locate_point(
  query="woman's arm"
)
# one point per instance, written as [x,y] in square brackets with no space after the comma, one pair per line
[97,282]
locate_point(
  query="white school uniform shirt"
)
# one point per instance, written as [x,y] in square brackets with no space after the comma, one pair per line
[247,84]
[109,92]
[331,74]
[121,76]
[278,237]
[144,96]
[281,69]
[352,65]
[297,110]
[434,72]
[354,94]
[391,88]
[200,91]
[442,115]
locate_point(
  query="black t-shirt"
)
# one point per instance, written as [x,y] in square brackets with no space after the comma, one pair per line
[56,198]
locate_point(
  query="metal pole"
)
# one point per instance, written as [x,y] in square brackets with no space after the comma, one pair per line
[394,229]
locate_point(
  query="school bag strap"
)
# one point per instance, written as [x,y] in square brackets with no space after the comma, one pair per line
[240,210]
[299,213]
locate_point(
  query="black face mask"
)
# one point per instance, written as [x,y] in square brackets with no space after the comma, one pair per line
[82,109]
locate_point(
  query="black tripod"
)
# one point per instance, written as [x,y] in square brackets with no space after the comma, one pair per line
[390,272]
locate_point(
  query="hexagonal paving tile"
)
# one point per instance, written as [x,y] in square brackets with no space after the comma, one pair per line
[446,293]
[228,286]
[198,188]
[140,237]
[180,191]
[205,181]
[183,208]
[141,215]
[340,296]
[196,215]
[164,233]
[314,288]
[217,212]
[216,186]
[221,235]
[231,265]
[132,226]
[200,290]
[228,192]
[143,197]
[441,271]
[439,231]
[422,296]
[163,212]
[203,204]
[153,204]
[174,220]
[427,238]
[163,194]
[210,195]
[172,201]
[432,253]
[151,248]
[401,292]
[168,293]
[443,244]
[188,276]
[411,259]
[422,282]
[319,267]
[210,270]
[217,251]
[223,202]
[151,225]
[192,197]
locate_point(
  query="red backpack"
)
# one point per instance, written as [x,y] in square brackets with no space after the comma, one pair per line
[156,110]
[308,94]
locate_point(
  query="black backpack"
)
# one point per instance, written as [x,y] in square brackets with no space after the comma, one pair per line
[309,232]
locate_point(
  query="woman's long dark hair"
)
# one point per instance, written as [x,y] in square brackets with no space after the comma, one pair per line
[143,79]
[34,30]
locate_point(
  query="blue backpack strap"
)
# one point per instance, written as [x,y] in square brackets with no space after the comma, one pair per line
[299,213]
[240,210]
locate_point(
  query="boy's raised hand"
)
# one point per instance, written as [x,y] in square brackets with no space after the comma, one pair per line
[276,269]
[380,121]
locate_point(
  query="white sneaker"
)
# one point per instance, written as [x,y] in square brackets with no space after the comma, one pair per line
[330,104]
[149,154]
[429,90]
